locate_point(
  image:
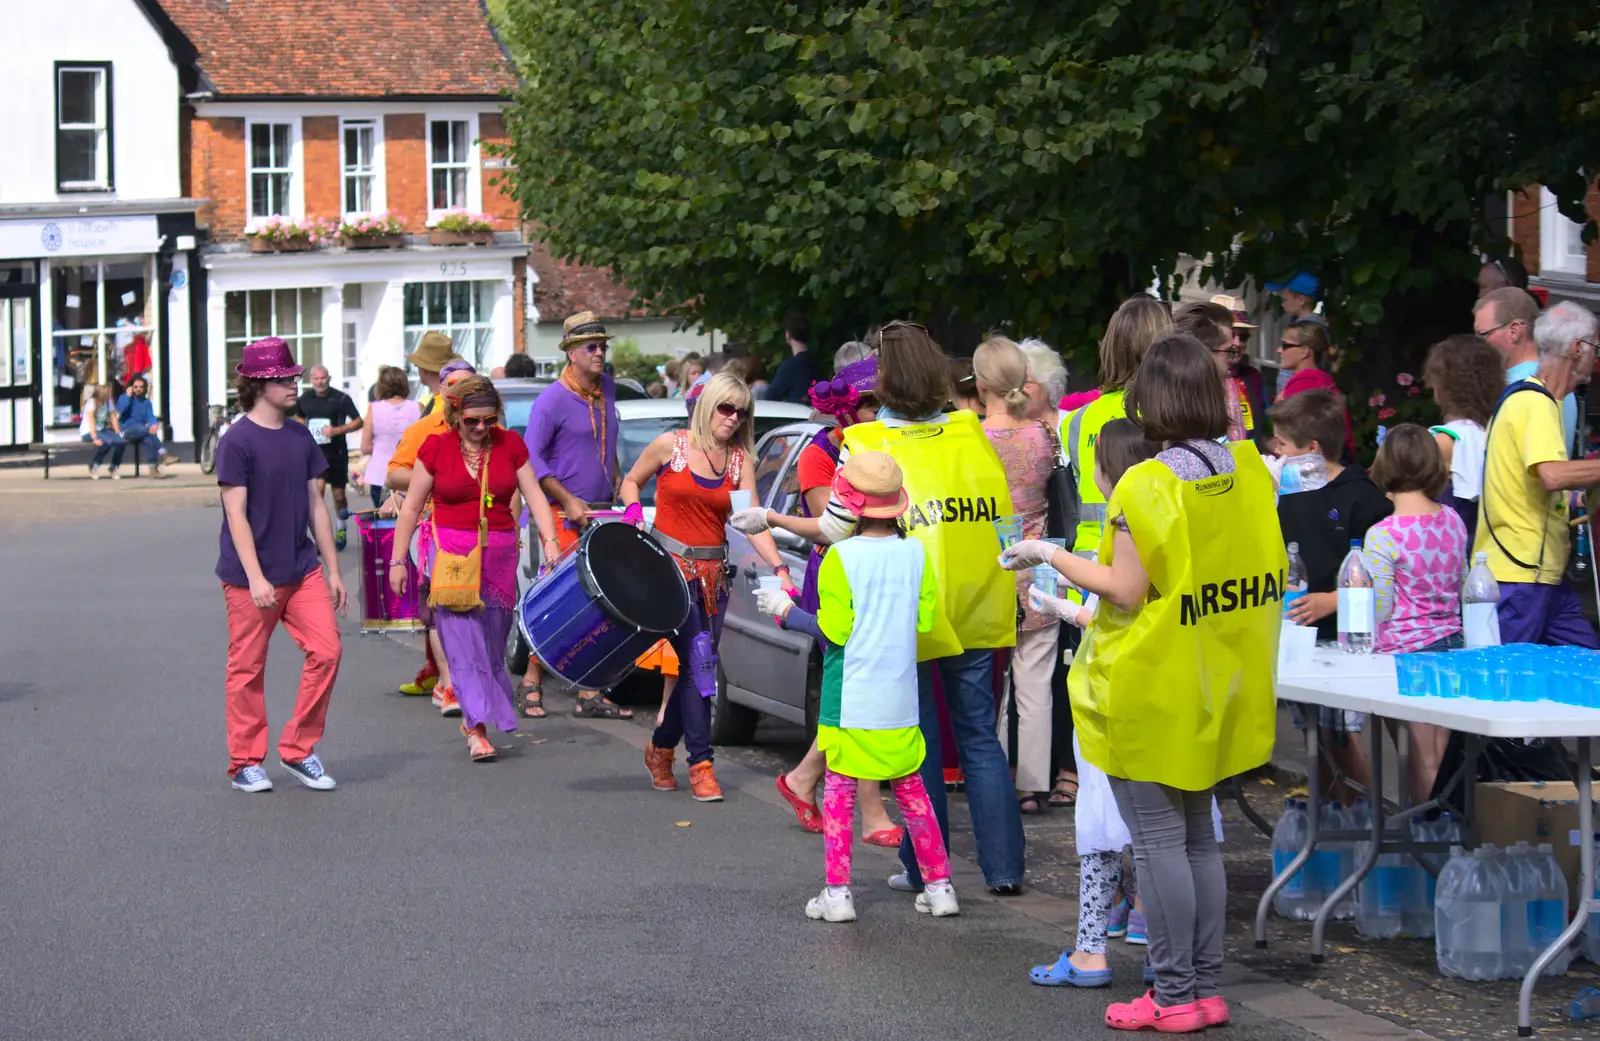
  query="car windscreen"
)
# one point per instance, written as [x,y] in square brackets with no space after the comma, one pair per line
[517,409]
[636,435]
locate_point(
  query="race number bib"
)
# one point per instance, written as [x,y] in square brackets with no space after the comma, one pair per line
[318,428]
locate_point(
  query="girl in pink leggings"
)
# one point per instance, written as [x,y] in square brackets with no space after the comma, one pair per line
[876,592]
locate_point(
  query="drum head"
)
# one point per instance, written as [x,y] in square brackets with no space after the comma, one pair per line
[633,577]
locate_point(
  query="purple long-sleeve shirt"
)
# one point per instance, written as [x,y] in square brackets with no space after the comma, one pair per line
[563,443]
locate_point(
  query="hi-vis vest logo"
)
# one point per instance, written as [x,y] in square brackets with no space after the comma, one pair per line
[1235,594]
[951,510]
[1214,485]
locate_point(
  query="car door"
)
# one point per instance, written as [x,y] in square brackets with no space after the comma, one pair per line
[765,666]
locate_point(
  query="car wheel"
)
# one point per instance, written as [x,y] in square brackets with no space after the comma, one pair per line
[813,696]
[517,652]
[731,724]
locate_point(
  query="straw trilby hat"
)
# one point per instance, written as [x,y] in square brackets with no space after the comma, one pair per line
[1241,313]
[580,328]
[435,350]
[870,484]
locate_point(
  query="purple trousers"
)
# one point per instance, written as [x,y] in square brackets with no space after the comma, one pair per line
[688,715]
[1531,612]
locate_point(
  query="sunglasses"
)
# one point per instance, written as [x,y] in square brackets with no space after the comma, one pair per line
[595,347]
[1286,345]
[480,421]
[731,411]
[285,381]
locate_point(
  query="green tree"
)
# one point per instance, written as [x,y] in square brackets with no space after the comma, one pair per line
[628,362]
[1027,164]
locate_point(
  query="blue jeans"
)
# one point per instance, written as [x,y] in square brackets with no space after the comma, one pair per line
[153,449]
[968,680]
[111,443]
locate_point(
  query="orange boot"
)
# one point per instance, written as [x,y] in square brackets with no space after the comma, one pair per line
[659,762]
[703,786]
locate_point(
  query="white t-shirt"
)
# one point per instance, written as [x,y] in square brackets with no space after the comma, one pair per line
[1466,458]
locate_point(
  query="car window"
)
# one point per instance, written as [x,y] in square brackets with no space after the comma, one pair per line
[517,411]
[634,436]
[770,458]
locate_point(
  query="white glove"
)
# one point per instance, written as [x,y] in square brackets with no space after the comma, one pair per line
[1056,607]
[1027,553]
[1274,466]
[752,520]
[775,602]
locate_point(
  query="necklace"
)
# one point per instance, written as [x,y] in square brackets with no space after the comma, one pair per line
[473,457]
[715,472]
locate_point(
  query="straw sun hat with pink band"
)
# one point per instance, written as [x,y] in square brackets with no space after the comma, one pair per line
[870,484]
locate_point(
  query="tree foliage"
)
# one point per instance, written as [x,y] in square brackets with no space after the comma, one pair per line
[1027,164]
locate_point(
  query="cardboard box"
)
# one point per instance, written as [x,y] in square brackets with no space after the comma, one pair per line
[1535,812]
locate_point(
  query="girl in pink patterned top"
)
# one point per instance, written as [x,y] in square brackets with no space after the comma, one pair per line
[1418,559]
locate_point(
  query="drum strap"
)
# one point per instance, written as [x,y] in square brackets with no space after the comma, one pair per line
[679,549]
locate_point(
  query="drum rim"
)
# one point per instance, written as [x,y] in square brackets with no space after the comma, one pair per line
[591,586]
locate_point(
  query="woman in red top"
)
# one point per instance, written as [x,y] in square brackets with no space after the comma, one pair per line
[471,471]
[695,469]
[1303,352]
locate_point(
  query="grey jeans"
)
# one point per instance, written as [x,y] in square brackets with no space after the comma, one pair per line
[1182,882]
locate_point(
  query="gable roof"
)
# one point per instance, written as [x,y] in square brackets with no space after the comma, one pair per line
[376,49]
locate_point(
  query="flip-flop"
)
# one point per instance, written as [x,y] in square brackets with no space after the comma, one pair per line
[1064,974]
[889,838]
[806,813]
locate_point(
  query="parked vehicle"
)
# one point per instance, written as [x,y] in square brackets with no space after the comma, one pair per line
[642,421]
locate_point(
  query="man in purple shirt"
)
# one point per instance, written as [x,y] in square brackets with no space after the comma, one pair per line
[572,444]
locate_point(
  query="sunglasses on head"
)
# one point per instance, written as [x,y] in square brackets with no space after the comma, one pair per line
[479,421]
[731,411]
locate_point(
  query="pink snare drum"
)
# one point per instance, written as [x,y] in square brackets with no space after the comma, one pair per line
[381,610]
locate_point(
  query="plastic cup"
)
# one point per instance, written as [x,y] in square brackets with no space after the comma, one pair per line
[1046,579]
[1475,683]
[739,500]
[770,583]
[1408,672]
[1010,531]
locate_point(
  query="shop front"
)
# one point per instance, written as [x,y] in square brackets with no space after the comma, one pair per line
[86,301]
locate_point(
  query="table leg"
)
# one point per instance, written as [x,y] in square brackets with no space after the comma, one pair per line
[1314,796]
[1586,888]
[1375,754]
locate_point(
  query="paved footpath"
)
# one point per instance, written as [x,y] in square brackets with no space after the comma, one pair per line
[550,895]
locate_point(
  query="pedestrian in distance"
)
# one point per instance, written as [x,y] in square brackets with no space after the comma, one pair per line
[268,468]
[392,410]
[329,414]
[139,423]
[1506,318]
[800,369]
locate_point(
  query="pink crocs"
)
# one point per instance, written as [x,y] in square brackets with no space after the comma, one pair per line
[1214,1009]
[1142,1013]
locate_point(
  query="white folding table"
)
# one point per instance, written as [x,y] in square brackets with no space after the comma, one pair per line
[1367,683]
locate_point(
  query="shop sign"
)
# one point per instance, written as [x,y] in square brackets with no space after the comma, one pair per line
[81,236]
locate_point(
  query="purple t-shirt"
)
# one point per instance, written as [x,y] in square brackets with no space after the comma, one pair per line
[564,440]
[273,466]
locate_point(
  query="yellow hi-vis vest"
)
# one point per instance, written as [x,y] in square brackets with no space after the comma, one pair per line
[1078,436]
[957,487]
[1180,692]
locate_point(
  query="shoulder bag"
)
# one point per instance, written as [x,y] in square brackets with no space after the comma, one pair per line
[1060,496]
[457,582]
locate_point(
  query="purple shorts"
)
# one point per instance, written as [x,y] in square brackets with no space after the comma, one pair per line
[1531,612]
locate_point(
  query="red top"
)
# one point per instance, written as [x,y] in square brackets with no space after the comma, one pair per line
[455,490]
[815,468]
[1316,379]
[686,509]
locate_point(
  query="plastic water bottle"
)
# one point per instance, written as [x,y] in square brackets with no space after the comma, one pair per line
[1591,928]
[1295,581]
[1357,611]
[1467,917]
[1302,473]
[1521,878]
[1480,605]
[1585,1004]
[1299,896]
[1386,894]
[1336,858]
[1417,918]
[1547,911]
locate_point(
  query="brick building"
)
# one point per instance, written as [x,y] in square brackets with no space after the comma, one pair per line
[323,111]
[1552,248]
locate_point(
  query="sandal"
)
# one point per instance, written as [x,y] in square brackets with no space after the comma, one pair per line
[598,706]
[889,838]
[1065,792]
[1028,803]
[1062,973]
[806,813]
[532,695]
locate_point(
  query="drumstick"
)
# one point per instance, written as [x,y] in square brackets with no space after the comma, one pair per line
[347,514]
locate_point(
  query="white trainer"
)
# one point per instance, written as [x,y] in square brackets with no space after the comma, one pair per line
[252,779]
[939,901]
[829,908]
[900,882]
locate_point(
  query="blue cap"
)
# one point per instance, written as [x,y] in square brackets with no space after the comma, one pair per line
[1302,283]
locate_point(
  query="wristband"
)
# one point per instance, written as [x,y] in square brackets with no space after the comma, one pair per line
[634,514]
[397,563]
[781,569]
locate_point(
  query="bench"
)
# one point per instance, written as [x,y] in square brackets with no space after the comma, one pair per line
[63,452]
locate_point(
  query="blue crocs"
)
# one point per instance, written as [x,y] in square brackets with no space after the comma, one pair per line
[1064,974]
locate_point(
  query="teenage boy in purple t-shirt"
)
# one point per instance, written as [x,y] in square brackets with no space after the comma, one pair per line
[268,470]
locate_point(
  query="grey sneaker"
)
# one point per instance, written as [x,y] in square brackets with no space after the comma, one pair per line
[252,779]
[310,773]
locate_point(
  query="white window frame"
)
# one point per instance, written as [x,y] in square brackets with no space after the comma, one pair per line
[482,295]
[295,169]
[296,338]
[379,200]
[472,163]
[1556,237]
[101,127]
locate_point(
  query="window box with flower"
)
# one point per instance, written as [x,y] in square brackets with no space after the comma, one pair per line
[283,235]
[457,227]
[383,230]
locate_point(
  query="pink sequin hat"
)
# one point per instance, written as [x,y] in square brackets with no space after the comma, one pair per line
[268,359]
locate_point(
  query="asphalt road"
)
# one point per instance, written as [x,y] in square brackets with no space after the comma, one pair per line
[550,895]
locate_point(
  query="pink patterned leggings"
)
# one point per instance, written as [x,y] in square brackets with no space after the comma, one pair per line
[838,826]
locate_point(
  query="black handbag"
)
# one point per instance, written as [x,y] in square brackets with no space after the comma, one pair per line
[1060,496]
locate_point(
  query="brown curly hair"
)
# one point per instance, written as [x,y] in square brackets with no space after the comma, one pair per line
[1466,375]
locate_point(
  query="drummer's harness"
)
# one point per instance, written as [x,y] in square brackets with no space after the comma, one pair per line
[688,552]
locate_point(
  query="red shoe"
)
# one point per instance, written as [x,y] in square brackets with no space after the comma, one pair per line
[1142,1013]
[659,762]
[1214,1009]
[478,745]
[448,705]
[806,813]
[427,677]
[889,838]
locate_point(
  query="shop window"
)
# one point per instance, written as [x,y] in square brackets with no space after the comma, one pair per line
[461,310]
[103,328]
[449,160]
[292,315]
[271,170]
[83,127]
[360,166]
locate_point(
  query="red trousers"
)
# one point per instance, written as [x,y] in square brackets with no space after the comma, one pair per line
[306,611]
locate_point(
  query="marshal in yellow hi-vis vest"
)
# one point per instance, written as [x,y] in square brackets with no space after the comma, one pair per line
[1181,691]
[1079,434]
[957,487]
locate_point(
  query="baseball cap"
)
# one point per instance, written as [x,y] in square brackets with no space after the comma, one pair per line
[1303,283]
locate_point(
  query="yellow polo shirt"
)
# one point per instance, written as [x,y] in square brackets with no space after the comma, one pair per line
[1526,519]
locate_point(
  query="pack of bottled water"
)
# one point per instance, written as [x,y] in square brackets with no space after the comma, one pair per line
[1495,911]
[1331,862]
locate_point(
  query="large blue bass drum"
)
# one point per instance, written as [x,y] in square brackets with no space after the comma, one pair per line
[607,602]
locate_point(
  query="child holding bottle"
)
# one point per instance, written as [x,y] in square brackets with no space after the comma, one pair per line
[876,592]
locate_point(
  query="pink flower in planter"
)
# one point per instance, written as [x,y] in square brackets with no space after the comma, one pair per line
[1405,379]
[1376,400]
[1414,391]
